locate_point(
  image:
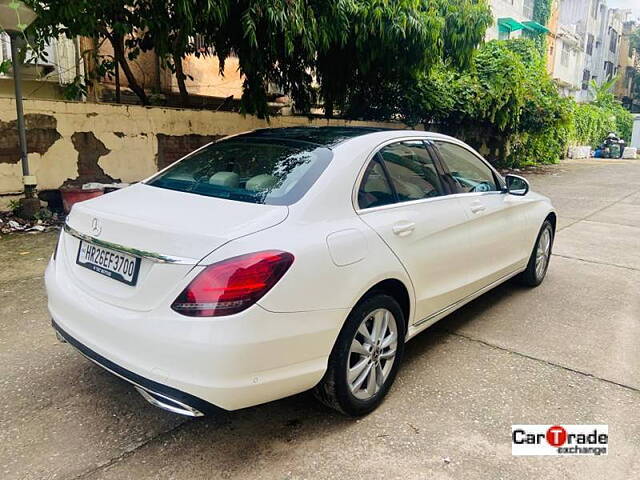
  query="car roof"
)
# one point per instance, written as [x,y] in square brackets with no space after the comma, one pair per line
[330,137]
[320,136]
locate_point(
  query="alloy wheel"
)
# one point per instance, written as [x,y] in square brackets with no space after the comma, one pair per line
[543,252]
[372,353]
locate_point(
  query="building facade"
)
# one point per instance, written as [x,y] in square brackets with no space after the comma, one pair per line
[629,66]
[568,61]
[507,9]
[513,19]
[606,52]
[608,44]
[43,77]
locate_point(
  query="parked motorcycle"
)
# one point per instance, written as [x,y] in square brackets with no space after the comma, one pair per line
[611,147]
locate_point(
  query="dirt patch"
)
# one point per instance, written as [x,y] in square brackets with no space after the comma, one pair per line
[90,149]
[41,134]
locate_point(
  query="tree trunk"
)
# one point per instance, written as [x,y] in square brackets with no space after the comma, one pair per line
[181,77]
[118,100]
[117,41]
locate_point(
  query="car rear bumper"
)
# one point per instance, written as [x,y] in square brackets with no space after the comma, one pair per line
[155,393]
[196,364]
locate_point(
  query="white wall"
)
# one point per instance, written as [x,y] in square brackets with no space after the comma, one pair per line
[569,75]
[503,9]
[635,136]
[128,136]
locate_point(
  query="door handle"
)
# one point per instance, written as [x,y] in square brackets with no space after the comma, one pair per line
[403,229]
[477,207]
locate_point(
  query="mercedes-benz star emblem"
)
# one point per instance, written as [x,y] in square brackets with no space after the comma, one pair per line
[96,228]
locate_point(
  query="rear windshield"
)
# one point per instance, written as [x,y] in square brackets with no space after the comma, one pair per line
[273,172]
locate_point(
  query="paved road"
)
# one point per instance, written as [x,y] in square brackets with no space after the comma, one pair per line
[566,352]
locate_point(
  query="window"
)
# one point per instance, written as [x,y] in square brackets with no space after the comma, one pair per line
[629,74]
[589,48]
[613,43]
[564,55]
[375,190]
[527,8]
[268,171]
[468,172]
[412,171]
[586,76]
[594,9]
[608,70]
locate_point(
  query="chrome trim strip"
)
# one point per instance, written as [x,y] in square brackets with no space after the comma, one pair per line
[152,256]
[420,201]
[427,137]
[454,306]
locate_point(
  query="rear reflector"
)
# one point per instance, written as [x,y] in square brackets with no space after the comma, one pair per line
[232,285]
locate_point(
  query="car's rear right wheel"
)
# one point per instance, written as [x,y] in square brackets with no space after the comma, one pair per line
[365,357]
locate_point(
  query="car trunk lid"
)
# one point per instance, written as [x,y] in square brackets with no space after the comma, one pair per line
[170,231]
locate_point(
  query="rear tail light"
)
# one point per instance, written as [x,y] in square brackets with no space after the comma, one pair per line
[232,285]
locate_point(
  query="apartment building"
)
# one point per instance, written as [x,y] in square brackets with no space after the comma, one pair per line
[608,41]
[629,65]
[513,19]
[43,77]
[568,61]
[605,50]
[585,19]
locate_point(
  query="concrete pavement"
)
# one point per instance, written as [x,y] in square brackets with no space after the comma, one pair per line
[565,352]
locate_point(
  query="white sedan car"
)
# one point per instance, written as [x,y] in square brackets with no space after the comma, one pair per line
[282,260]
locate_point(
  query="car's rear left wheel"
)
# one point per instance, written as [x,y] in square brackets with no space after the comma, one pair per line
[365,357]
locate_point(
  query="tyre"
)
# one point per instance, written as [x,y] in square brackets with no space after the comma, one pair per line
[365,358]
[539,260]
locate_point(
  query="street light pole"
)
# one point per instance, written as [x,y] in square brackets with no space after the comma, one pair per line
[17,81]
[29,205]
[15,17]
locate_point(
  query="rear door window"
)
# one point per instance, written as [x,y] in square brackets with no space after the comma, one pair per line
[268,171]
[412,171]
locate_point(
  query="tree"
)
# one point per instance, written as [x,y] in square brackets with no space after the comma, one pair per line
[170,27]
[356,50]
[117,21]
[602,95]
[396,44]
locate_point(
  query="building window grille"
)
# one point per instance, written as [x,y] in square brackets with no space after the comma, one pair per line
[527,8]
[613,43]
[589,48]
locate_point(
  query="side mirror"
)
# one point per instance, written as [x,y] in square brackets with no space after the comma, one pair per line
[517,185]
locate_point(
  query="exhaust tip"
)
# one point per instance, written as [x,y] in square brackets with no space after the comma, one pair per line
[169,404]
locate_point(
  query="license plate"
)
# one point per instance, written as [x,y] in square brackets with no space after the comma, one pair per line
[110,263]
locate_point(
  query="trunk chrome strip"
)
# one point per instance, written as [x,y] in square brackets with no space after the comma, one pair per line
[152,256]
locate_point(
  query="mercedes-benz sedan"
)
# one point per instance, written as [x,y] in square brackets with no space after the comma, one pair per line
[281,260]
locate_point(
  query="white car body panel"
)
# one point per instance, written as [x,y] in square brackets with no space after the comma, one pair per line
[433,251]
[496,230]
[279,346]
